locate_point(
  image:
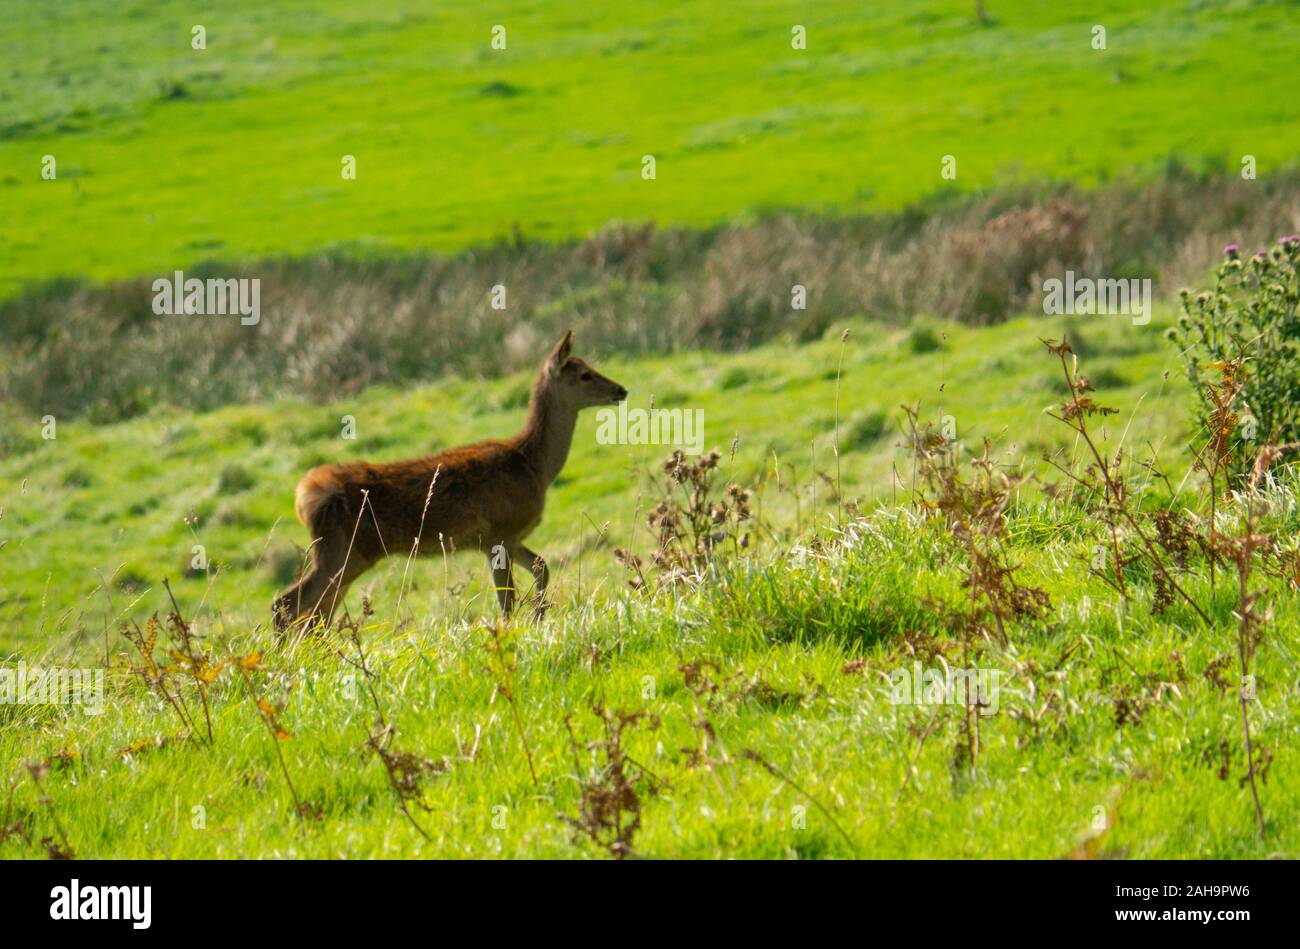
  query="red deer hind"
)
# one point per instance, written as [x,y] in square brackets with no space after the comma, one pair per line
[487,497]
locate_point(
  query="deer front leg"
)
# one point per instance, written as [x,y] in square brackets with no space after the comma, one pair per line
[502,578]
[541,576]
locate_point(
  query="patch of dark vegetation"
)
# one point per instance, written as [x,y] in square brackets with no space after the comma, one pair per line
[734,377]
[1103,377]
[78,477]
[864,430]
[336,323]
[172,89]
[285,565]
[143,506]
[14,442]
[236,515]
[129,581]
[499,89]
[923,338]
[517,397]
[234,479]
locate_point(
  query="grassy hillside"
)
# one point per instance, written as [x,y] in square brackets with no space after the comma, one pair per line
[168,155]
[770,726]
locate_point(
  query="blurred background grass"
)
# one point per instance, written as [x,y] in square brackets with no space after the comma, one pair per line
[168,156]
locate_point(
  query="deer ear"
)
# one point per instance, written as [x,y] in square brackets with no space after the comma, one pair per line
[559,354]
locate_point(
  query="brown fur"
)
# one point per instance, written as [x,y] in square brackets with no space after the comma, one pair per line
[483,495]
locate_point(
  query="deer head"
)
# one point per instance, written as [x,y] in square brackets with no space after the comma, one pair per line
[574,384]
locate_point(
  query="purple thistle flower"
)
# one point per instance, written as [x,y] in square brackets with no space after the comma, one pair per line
[1230,251]
[1288,240]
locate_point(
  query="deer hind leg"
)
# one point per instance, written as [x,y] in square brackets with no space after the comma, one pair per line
[315,597]
[541,577]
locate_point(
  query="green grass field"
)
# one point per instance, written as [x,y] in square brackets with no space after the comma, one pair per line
[790,689]
[770,728]
[169,155]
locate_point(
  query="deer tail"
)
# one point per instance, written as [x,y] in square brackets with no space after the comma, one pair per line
[319,496]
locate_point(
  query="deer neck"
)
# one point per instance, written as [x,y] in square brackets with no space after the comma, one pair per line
[547,433]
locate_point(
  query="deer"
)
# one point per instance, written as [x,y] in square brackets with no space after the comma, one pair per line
[487,496]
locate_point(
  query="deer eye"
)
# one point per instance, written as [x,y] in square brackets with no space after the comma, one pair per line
[586,376]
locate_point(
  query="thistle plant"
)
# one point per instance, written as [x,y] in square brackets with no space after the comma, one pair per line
[1249,315]
[690,523]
